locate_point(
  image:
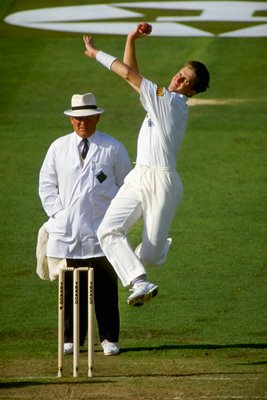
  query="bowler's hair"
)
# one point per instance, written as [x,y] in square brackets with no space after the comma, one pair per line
[202,76]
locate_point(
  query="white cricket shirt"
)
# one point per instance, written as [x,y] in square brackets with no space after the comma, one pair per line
[163,128]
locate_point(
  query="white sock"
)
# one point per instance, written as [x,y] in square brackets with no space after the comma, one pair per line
[140,279]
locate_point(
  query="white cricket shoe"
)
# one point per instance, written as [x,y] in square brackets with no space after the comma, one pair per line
[68,348]
[142,293]
[110,348]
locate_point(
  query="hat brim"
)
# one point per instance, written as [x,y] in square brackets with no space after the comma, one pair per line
[83,113]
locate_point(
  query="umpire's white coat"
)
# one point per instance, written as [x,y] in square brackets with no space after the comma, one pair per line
[76,196]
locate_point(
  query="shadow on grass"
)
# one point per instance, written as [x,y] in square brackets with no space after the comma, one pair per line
[47,381]
[24,382]
[197,347]
[58,381]
[254,363]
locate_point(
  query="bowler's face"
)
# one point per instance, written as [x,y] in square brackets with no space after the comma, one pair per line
[183,82]
[85,126]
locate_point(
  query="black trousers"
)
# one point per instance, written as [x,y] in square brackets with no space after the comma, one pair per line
[105,299]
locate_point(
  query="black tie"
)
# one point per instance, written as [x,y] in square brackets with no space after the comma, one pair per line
[85,148]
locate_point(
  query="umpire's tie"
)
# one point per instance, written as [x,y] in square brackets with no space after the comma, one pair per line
[85,148]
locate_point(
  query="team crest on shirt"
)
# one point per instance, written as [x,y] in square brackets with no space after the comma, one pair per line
[160,91]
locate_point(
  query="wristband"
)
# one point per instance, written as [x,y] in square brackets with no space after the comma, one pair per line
[105,59]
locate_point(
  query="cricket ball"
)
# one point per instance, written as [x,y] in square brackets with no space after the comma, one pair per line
[145,28]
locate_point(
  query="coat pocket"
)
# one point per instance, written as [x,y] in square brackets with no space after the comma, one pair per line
[59,223]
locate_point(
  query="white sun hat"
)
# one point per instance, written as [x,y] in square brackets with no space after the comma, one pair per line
[83,105]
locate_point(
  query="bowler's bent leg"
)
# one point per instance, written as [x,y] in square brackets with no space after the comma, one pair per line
[124,211]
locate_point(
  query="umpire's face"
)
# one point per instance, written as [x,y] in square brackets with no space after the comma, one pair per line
[85,126]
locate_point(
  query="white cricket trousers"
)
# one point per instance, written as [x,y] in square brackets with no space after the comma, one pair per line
[154,195]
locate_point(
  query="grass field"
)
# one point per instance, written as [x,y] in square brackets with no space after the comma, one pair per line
[204,336]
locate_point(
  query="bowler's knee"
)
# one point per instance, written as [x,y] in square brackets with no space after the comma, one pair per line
[107,232]
[102,234]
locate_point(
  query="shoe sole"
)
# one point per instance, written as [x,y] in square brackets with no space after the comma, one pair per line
[144,298]
[111,353]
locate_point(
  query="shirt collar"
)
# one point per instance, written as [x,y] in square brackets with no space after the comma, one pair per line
[79,139]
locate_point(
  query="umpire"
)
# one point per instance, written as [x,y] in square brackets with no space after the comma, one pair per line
[81,173]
